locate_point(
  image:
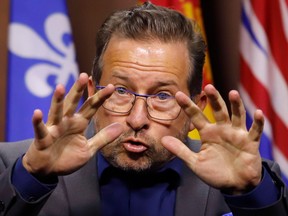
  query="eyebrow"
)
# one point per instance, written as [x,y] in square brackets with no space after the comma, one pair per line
[166,82]
[120,76]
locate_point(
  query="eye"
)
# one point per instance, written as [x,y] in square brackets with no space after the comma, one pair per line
[163,96]
[121,90]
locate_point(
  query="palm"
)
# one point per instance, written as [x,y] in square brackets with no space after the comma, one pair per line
[226,157]
[69,150]
[229,158]
[60,146]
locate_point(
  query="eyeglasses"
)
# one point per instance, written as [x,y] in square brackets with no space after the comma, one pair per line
[161,106]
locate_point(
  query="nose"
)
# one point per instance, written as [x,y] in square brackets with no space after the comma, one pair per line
[138,117]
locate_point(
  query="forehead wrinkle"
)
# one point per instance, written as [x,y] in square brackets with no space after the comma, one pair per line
[144,67]
[163,82]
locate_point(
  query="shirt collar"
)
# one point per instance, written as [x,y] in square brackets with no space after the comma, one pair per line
[102,164]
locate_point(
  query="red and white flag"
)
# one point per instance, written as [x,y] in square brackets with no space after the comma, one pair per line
[264,72]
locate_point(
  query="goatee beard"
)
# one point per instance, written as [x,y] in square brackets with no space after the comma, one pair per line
[152,158]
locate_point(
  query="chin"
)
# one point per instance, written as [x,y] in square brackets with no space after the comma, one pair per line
[149,160]
[131,162]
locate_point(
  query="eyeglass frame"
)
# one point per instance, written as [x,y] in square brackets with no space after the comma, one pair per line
[99,87]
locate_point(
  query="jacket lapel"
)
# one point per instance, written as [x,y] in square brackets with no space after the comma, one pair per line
[192,194]
[83,190]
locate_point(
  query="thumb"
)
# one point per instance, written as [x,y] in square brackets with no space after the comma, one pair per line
[105,136]
[179,149]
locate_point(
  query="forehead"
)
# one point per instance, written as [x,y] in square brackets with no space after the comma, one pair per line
[146,59]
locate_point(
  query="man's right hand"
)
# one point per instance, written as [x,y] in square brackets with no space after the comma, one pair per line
[60,146]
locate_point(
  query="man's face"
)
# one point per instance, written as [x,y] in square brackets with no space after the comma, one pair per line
[145,68]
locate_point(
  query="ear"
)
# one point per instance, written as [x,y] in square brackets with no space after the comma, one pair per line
[201,101]
[91,87]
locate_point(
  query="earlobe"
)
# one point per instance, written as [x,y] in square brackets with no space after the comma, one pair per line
[91,87]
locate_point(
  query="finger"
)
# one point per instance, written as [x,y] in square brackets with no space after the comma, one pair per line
[74,95]
[91,105]
[257,126]
[40,130]
[192,110]
[105,136]
[176,147]
[238,117]
[217,103]
[56,109]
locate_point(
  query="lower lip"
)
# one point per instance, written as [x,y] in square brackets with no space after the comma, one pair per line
[134,148]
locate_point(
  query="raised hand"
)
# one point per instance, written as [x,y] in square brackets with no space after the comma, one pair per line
[60,146]
[229,158]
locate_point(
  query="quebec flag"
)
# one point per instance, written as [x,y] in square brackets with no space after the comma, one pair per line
[41,55]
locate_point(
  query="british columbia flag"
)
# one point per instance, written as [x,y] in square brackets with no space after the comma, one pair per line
[264,73]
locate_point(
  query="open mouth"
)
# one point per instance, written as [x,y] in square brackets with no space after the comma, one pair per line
[133,146]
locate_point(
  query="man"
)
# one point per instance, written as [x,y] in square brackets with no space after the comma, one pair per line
[144,97]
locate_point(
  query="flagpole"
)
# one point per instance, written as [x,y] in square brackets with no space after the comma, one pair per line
[4,20]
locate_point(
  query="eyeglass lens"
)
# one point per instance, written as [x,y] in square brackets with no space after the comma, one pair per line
[122,101]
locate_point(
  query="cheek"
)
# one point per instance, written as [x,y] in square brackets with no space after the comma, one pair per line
[102,119]
[181,126]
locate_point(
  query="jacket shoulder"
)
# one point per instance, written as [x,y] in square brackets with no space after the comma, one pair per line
[10,151]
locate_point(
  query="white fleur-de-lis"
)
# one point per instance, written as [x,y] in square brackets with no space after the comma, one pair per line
[63,63]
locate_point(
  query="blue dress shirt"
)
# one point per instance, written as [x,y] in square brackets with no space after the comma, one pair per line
[138,194]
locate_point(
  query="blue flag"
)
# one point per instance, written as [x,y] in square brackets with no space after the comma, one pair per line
[41,55]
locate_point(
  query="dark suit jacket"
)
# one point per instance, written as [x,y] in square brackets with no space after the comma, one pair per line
[78,193]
